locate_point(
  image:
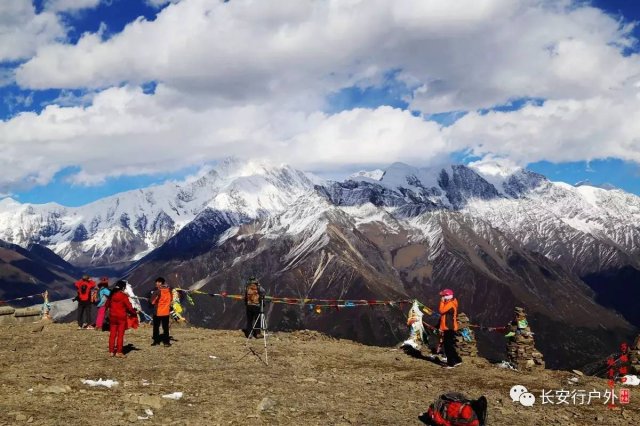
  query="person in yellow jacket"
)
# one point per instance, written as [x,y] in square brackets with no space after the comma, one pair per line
[449,326]
[161,300]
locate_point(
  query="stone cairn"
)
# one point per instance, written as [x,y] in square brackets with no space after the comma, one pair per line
[634,355]
[521,351]
[466,344]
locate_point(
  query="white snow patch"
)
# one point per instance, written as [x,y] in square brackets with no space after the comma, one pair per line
[591,194]
[101,383]
[142,254]
[229,233]
[175,396]
[582,225]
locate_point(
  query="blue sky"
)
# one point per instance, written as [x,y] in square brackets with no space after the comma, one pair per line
[395,87]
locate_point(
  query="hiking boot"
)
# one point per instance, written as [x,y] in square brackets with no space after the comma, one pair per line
[120,355]
[166,345]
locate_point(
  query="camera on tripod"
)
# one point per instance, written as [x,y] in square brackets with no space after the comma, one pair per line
[254,299]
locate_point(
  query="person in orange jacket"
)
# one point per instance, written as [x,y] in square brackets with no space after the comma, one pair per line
[449,326]
[119,308]
[161,300]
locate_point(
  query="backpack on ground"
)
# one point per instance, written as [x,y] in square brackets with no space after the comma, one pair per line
[455,409]
[253,294]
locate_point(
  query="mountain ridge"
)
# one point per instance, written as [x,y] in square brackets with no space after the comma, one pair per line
[513,238]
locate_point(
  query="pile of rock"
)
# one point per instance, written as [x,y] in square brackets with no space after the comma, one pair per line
[466,344]
[521,350]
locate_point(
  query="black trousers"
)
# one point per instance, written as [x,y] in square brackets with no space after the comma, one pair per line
[449,343]
[252,316]
[84,313]
[164,337]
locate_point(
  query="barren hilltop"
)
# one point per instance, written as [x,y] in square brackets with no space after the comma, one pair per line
[311,379]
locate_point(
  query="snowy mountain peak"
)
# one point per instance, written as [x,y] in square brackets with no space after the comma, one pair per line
[372,174]
[493,166]
[7,203]
[233,167]
[125,226]
[401,175]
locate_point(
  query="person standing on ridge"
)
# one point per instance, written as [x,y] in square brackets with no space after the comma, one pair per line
[84,287]
[161,300]
[119,308]
[103,295]
[253,298]
[449,326]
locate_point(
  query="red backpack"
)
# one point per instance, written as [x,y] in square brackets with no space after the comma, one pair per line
[455,409]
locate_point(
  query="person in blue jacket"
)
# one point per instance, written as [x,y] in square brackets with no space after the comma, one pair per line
[103,295]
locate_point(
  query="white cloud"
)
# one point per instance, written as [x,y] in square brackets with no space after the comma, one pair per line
[559,130]
[127,132]
[124,131]
[22,31]
[457,55]
[249,79]
[70,5]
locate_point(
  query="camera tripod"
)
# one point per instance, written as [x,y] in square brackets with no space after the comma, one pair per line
[259,326]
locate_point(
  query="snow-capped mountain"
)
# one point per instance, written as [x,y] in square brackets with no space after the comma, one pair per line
[586,228]
[498,235]
[124,227]
[317,249]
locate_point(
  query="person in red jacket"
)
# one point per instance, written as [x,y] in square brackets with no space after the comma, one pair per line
[83,296]
[449,326]
[161,300]
[119,308]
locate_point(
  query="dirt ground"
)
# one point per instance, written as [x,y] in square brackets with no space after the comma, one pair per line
[311,379]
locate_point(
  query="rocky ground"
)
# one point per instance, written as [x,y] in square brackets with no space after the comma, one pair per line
[310,379]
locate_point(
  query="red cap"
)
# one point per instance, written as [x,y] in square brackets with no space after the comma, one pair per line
[446,292]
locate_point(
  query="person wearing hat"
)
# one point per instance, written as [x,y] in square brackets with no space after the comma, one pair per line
[449,326]
[161,300]
[253,298]
[103,295]
[119,308]
[84,287]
